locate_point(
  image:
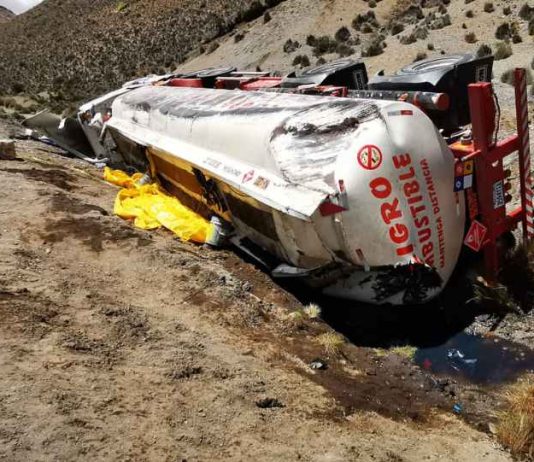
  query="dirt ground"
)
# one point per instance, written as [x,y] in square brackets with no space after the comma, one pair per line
[121,344]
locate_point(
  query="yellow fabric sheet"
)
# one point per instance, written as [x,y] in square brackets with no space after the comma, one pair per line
[150,207]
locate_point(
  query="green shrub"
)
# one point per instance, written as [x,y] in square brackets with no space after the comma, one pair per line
[311,40]
[420,32]
[506,10]
[374,48]
[121,6]
[469,14]
[408,39]
[368,18]
[396,28]
[254,11]
[470,37]
[266,17]
[526,12]
[344,50]
[441,22]
[503,50]
[508,76]
[372,3]
[290,46]
[484,50]
[342,34]
[531,27]
[301,60]
[420,56]
[212,47]
[430,46]
[503,31]
[324,44]
[516,38]
[488,7]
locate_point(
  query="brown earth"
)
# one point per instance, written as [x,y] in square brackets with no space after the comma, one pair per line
[122,344]
[6,14]
[263,43]
[65,51]
[74,50]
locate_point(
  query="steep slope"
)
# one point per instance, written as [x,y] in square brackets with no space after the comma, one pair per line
[5,14]
[77,49]
[74,50]
[399,33]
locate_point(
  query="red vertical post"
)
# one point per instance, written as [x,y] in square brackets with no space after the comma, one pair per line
[521,108]
[482,111]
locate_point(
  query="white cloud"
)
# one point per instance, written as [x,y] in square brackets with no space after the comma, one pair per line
[19,6]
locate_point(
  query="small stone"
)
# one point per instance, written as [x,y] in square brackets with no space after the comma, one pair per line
[7,150]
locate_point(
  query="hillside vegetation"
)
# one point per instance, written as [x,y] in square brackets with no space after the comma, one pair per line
[387,34]
[75,49]
[5,14]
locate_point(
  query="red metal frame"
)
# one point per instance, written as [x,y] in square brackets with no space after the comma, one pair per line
[490,175]
[521,107]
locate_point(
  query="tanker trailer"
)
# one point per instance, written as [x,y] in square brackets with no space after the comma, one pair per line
[354,195]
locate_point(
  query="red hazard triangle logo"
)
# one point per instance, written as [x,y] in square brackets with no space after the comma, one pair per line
[474,239]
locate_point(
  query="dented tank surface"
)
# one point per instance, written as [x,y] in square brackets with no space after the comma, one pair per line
[357,192]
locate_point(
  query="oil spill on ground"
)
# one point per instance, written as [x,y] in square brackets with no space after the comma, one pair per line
[59,178]
[481,360]
[91,231]
[438,331]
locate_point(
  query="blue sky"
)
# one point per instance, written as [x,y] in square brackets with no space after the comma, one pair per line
[19,6]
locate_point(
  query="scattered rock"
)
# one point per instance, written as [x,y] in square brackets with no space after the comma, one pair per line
[269,403]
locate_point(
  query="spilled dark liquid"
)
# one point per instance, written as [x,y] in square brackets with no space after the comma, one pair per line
[437,329]
[480,360]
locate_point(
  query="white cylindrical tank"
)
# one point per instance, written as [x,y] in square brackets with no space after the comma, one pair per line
[358,192]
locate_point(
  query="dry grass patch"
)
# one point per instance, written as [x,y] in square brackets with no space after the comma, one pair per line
[406,351]
[515,428]
[331,342]
[313,311]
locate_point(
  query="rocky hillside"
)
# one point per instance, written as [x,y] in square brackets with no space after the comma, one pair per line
[76,49]
[386,33]
[5,14]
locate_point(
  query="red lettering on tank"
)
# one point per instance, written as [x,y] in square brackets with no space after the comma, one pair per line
[406,250]
[428,253]
[420,222]
[399,233]
[433,196]
[407,175]
[417,210]
[380,187]
[411,188]
[424,234]
[402,160]
[392,214]
[390,211]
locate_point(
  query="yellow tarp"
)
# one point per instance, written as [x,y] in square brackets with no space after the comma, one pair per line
[150,207]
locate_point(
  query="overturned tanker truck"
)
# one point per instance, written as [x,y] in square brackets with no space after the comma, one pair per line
[349,183]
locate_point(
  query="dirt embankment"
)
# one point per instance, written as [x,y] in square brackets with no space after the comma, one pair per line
[74,50]
[5,14]
[120,344]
